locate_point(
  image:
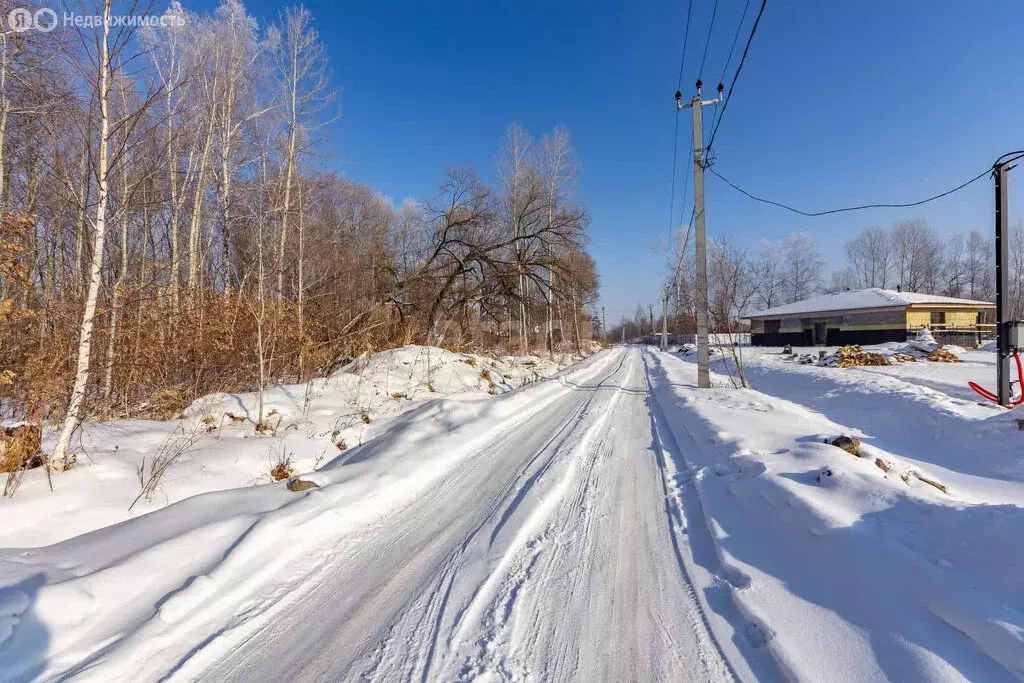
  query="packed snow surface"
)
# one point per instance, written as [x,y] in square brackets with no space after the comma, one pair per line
[611,522]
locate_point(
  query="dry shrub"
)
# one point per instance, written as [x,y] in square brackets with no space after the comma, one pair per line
[486,375]
[164,404]
[177,444]
[281,470]
[19,447]
[281,466]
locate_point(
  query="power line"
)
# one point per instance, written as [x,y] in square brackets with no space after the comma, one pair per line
[686,37]
[736,75]
[675,135]
[707,43]
[1009,158]
[732,49]
[849,208]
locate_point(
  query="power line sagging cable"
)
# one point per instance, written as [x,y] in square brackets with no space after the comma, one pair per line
[849,208]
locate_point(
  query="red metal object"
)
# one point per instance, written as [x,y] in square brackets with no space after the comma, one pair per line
[992,397]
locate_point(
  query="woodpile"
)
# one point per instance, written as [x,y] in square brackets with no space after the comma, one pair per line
[854,356]
[943,356]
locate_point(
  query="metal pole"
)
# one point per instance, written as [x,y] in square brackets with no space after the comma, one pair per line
[703,369]
[1003,370]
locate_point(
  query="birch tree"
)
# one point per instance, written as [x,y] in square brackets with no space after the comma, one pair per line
[62,458]
[303,76]
[560,168]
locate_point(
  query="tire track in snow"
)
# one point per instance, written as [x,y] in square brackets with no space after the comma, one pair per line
[503,583]
[544,553]
[231,648]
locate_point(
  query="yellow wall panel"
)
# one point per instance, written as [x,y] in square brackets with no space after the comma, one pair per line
[918,319]
[961,318]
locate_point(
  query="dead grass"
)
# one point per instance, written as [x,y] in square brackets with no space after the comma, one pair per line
[491,388]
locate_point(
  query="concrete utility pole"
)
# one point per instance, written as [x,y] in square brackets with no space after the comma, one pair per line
[650,310]
[664,321]
[703,357]
[604,325]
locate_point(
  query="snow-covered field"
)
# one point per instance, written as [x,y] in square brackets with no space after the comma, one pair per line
[611,522]
[888,578]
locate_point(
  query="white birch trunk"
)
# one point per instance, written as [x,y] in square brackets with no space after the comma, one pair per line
[62,458]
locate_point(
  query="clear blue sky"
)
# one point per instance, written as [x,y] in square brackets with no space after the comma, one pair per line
[839,102]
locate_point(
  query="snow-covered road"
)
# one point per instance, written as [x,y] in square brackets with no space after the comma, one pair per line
[548,554]
[610,523]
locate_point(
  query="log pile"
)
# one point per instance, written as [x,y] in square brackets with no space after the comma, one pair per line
[943,356]
[853,356]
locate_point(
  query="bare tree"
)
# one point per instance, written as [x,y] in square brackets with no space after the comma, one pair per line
[917,254]
[560,170]
[803,266]
[868,255]
[979,275]
[1016,276]
[520,206]
[767,276]
[954,266]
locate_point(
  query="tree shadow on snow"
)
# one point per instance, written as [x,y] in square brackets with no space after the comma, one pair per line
[24,640]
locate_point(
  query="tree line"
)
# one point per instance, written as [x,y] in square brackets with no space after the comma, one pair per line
[909,255]
[168,230]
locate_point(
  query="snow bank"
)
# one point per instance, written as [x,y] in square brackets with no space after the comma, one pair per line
[217,447]
[854,568]
[119,596]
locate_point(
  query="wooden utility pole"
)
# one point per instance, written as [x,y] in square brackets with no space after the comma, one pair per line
[703,357]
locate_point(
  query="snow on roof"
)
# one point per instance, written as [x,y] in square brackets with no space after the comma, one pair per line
[863,298]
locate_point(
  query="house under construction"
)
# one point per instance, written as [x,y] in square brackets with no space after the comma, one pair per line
[872,316]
